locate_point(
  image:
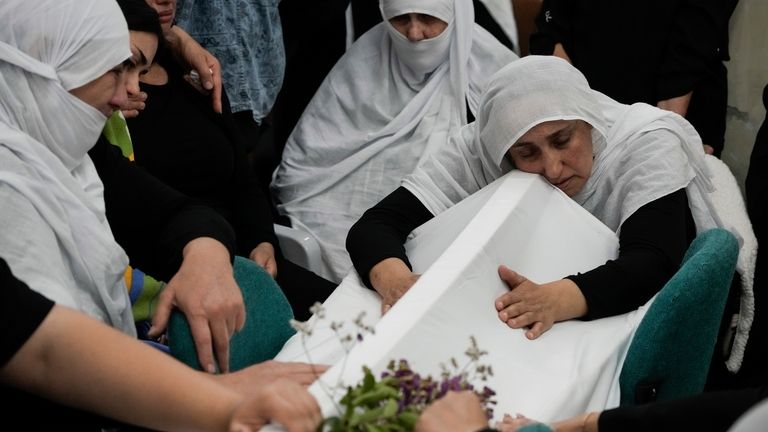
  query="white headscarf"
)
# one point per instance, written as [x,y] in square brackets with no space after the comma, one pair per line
[641,153]
[48,47]
[386,104]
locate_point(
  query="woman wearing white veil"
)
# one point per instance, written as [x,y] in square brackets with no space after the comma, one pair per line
[638,169]
[386,104]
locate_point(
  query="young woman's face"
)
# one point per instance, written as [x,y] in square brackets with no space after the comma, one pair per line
[416,27]
[109,91]
[143,50]
[166,9]
[559,150]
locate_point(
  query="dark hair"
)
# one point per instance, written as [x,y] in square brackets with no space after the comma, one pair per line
[141,17]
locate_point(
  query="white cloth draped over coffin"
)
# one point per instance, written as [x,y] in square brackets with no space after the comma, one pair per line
[521,221]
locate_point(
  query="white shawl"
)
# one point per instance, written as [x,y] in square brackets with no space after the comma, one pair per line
[375,116]
[641,154]
[54,233]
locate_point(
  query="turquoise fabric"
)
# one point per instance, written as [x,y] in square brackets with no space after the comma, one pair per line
[536,427]
[266,324]
[673,345]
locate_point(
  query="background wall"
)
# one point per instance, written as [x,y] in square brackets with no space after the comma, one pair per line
[747,75]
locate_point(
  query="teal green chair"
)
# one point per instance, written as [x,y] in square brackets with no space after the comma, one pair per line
[266,325]
[670,353]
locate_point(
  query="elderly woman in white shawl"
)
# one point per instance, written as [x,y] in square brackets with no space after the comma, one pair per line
[63,70]
[394,97]
[638,169]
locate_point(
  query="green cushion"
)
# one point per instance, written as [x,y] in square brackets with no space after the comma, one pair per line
[266,324]
[673,345]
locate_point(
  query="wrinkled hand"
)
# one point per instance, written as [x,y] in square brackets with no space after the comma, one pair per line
[204,289]
[133,104]
[198,58]
[247,380]
[391,278]
[456,411]
[264,255]
[538,306]
[282,401]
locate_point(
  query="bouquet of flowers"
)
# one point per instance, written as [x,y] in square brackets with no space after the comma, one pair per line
[394,401]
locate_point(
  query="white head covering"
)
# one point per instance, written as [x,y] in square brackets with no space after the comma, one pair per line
[641,153]
[379,111]
[48,47]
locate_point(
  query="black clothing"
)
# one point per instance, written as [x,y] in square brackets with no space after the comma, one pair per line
[21,312]
[150,220]
[647,51]
[185,144]
[754,370]
[652,243]
[204,159]
[709,411]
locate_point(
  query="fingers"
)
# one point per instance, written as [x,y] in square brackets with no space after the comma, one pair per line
[162,313]
[537,330]
[271,268]
[294,407]
[221,332]
[510,277]
[201,335]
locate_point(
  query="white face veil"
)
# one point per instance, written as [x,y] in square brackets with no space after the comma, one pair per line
[423,57]
[48,47]
[374,118]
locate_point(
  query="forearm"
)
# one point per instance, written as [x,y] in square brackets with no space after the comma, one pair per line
[676,104]
[382,230]
[652,244]
[76,360]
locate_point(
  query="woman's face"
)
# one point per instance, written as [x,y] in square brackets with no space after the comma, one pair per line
[416,27]
[106,93]
[143,49]
[109,91]
[559,150]
[167,11]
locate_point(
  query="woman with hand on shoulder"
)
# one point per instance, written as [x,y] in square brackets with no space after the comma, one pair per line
[638,169]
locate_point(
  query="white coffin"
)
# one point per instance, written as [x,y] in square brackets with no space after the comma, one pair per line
[520,221]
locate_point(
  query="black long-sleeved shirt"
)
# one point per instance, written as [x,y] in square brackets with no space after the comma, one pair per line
[652,244]
[150,220]
[184,143]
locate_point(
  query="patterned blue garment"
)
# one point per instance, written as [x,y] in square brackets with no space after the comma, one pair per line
[247,38]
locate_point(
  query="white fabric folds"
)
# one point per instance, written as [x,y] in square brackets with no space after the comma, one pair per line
[527,224]
[374,118]
[53,229]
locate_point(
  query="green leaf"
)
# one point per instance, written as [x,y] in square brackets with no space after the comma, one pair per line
[368,381]
[390,409]
[408,419]
[365,416]
[378,394]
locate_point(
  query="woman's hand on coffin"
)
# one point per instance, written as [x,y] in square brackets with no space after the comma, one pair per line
[456,411]
[251,378]
[264,255]
[283,402]
[535,306]
[391,278]
[204,289]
